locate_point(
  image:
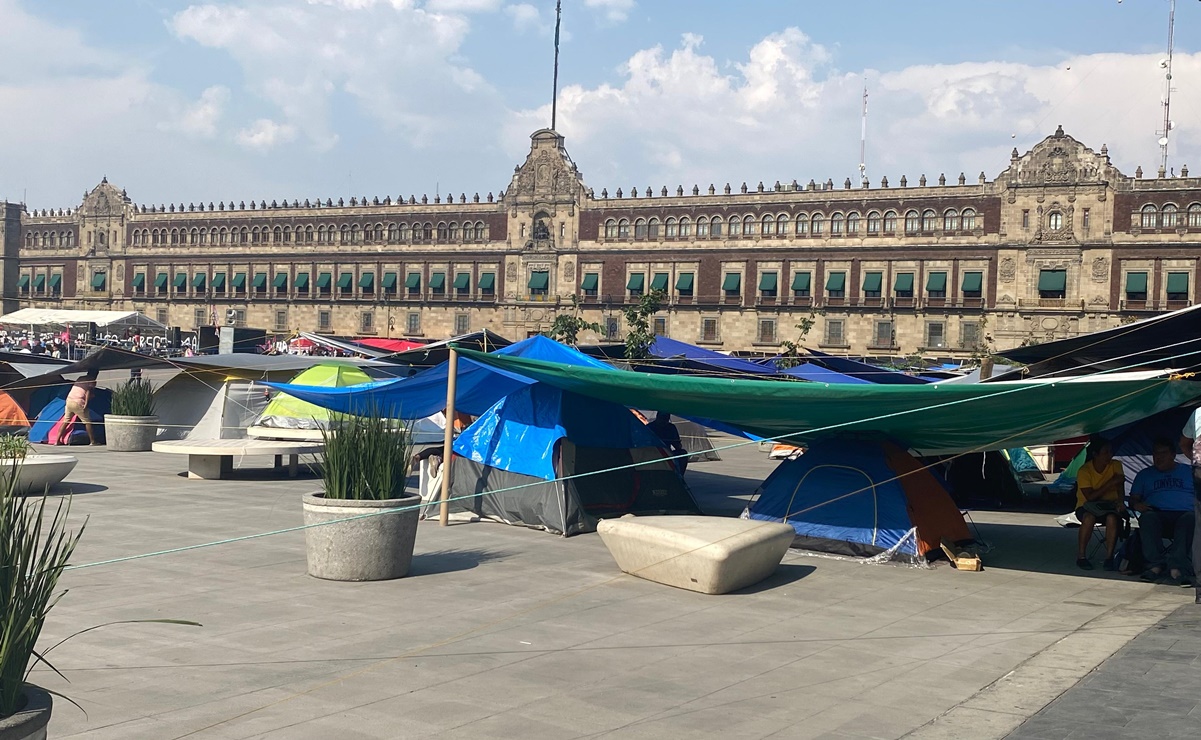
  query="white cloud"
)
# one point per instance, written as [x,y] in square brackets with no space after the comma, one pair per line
[463,6]
[265,134]
[200,119]
[785,112]
[526,17]
[613,10]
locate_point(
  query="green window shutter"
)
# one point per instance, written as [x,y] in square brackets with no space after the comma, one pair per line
[389,281]
[160,281]
[538,280]
[281,280]
[836,281]
[637,280]
[39,282]
[413,280]
[218,281]
[973,282]
[345,280]
[198,281]
[56,283]
[684,281]
[181,281]
[591,281]
[487,280]
[98,281]
[1052,280]
[301,282]
[767,281]
[801,281]
[1177,282]
[731,282]
[1136,282]
[23,283]
[872,282]
[367,280]
[239,280]
[324,280]
[903,282]
[438,281]
[936,281]
[659,281]
[260,280]
[462,281]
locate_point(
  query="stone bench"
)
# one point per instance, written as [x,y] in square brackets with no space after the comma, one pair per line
[213,459]
[712,555]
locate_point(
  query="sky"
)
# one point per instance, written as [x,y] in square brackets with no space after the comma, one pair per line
[272,99]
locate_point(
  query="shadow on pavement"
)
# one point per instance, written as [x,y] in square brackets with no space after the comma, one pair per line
[449,561]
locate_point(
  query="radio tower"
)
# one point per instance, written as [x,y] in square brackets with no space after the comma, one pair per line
[1166,64]
[863,140]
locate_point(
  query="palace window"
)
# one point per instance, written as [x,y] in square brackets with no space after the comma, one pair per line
[402,233]
[950,220]
[702,226]
[873,283]
[902,287]
[652,229]
[623,229]
[731,285]
[1149,216]
[1052,283]
[890,222]
[802,224]
[462,324]
[1177,287]
[427,231]
[936,334]
[969,219]
[973,284]
[767,331]
[936,285]
[323,320]
[709,330]
[392,233]
[1085,219]
[853,224]
[929,221]
[715,226]
[882,334]
[1136,286]
[834,332]
[611,229]
[836,285]
[670,228]
[768,284]
[801,284]
[969,335]
[873,223]
[782,225]
[414,324]
[322,235]
[281,320]
[767,226]
[735,226]
[911,222]
[685,226]
[836,223]
[366,322]
[1054,220]
[640,229]
[817,224]
[1194,215]
[443,231]
[750,226]
[1169,216]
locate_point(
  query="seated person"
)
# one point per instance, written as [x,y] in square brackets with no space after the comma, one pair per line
[670,437]
[1163,496]
[1100,486]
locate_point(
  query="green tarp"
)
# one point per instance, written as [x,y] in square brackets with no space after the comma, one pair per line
[56,283]
[198,281]
[24,282]
[324,280]
[181,281]
[932,418]
[367,281]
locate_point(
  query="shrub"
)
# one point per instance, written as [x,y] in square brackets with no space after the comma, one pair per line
[13,447]
[134,397]
[366,458]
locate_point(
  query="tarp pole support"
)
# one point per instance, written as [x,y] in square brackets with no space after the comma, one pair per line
[448,436]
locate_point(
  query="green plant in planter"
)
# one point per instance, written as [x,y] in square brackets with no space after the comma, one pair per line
[366,458]
[13,447]
[134,397]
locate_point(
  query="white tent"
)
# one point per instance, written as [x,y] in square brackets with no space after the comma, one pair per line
[207,406]
[63,317]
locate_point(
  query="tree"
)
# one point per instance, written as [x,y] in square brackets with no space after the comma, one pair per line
[790,356]
[639,336]
[567,326]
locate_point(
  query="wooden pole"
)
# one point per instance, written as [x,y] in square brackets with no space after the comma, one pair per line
[448,437]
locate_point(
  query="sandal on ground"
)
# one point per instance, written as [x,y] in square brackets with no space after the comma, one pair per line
[1084,563]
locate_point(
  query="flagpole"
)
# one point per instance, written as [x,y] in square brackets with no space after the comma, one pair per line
[554,98]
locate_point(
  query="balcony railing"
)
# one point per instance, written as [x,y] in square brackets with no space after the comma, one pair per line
[1062,304]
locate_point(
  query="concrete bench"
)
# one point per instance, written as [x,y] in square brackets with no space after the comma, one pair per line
[213,459]
[712,555]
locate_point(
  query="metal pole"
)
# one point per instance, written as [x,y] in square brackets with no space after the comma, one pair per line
[448,437]
[554,97]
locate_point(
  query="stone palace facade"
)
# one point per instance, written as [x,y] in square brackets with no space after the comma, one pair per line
[1058,243]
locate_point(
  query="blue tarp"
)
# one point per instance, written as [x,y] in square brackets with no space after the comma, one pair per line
[100,405]
[818,374]
[519,433]
[682,354]
[870,373]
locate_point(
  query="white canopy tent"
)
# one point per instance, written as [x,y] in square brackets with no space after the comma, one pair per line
[65,317]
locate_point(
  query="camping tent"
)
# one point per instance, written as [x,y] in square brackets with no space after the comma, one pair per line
[54,409]
[208,405]
[12,416]
[983,479]
[860,498]
[521,456]
[288,417]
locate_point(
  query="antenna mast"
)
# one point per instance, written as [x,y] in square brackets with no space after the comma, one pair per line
[863,139]
[554,97]
[1166,64]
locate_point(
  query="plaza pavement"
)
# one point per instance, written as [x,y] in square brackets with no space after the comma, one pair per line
[509,632]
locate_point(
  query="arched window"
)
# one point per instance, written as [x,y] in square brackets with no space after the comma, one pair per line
[873,223]
[715,227]
[402,232]
[640,228]
[783,225]
[735,226]
[29,241]
[611,229]
[322,235]
[1054,220]
[308,235]
[911,222]
[392,233]
[950,220]
[53,239]
[702,226]
[750,226]
[853,223]
[137,238]
[929,220]
[277,235]
[254,235]
[378,236]
[890,222]
[1169,216]
[443,231]
[623,229]
[837,221]
[1194,216]
[427,231]
[345,233]
[1150,216]
[213,235]
[223,234]
[175,236]
[356,234]
[802,224]
[817,224]
[455,234]
[670,228]
[969,219]
[652,228]
[685,226]
[481,231]
[767,226]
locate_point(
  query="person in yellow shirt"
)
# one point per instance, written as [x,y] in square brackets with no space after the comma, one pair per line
[1100,489]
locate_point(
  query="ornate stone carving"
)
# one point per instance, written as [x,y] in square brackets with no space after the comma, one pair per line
[511,272]
[1100,272]
[1007,270]
[1098,300]
[569,271]
[1059,160]
[548,174]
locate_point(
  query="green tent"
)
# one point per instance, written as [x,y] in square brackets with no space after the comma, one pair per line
[287,417]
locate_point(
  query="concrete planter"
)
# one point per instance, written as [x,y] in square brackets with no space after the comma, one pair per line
[30,722]
[37,472]
[374,548]
[130,433]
